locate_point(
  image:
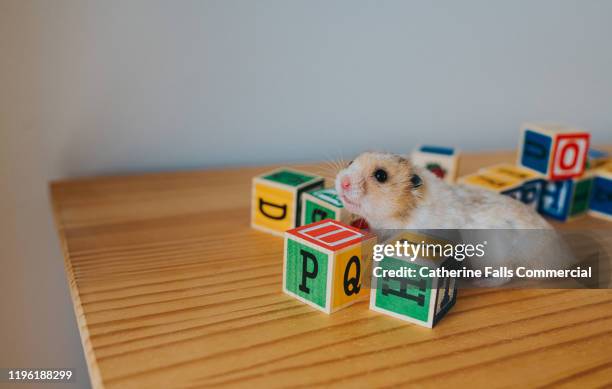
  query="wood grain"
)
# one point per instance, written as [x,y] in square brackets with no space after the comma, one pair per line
[171,288]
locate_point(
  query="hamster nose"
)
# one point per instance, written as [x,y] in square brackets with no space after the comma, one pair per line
[345,183]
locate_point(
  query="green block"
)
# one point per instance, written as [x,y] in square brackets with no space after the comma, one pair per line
[306,274]
[407,297]
[316,212]
[329,196]
[289,177]
[580,200]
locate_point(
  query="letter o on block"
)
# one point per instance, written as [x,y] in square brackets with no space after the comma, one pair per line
[557,152]
[325,264]
[570,155]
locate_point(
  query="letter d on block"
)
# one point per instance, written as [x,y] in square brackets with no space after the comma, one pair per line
[278,215]
[306,256]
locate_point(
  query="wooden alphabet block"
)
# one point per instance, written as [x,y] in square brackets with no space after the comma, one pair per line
[531,183]
[566,199]
[325,263]
[601,194]
[490,181]
[555,151]
[442,161]
[526,191]
[416,299]
[323,204]
[276,199]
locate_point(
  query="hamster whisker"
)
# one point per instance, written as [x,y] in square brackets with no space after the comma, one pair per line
[327,171]
[334,166]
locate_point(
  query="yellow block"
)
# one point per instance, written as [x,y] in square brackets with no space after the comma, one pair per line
[273,208]
[605,170]
[494,182]
[361,253]
[511,171]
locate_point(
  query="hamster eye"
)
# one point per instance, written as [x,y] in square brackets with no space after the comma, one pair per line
[349,164]
[380,175]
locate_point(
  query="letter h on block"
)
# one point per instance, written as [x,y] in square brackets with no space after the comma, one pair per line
[555,151]
[325,263]
[276,199]
[420,300]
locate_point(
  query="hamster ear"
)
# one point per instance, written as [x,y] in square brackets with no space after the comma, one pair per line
[416,181]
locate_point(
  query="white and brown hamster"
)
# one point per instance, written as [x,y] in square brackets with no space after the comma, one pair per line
[391,193]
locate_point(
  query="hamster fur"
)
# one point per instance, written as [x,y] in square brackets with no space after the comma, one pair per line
[391,193]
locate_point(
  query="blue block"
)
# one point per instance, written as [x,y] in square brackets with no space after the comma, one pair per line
[556,199]
[437,150]
[594,153]
[536,151]
[528,193]
[601,196]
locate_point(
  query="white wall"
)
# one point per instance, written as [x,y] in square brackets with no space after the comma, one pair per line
[90,87]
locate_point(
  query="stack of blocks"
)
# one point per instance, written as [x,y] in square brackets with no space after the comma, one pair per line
[276,199]
[559,154]
[442,161]
[551,173]
[325,263]
[419,300]
[323,204]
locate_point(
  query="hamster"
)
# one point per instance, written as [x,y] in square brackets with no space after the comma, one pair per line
[391,193]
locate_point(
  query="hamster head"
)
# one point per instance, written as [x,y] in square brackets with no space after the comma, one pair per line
[383,188]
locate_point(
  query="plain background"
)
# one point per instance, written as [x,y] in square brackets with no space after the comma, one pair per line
[98,87]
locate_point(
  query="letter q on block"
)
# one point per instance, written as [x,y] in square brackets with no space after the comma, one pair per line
[325,264]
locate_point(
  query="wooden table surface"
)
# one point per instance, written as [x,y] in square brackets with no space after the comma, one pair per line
[172,288]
